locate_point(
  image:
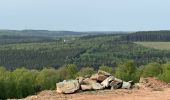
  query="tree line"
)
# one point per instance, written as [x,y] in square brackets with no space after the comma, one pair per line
[23,82]
[148,36]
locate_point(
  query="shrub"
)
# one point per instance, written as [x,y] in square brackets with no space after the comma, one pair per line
[165,76]
[126,71]
[152,70]
[47,78]
[86,72]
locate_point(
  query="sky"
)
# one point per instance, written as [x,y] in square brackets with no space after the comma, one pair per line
[85,15]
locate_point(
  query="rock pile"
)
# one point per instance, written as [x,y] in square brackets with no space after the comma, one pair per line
[99,81]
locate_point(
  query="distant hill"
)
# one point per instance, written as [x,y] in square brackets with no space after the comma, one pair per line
[15,36]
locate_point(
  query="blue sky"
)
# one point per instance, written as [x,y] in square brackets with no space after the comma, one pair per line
[85,15]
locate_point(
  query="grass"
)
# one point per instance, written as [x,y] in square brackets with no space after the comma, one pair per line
[156,45]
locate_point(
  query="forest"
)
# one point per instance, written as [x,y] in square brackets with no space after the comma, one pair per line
[83,51]
[31,63]
[148,36]
[23,82]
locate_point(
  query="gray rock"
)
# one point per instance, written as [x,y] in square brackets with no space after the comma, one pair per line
[68,86]
[116,84]
[80,79]
[98,77]
[107,81]
[127,85]
[88,81]
[97,86]
[86,87]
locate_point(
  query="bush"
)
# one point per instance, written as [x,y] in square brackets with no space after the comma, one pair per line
[86,72]
[165,76]
[126,71]
[47,79]
[152,70]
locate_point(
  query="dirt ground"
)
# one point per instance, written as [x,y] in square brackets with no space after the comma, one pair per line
[134,94]
[150,89]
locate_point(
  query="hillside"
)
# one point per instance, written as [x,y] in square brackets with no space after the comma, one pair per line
[93,50]
[20,36]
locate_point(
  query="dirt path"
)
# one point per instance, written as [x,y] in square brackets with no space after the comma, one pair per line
[142,94]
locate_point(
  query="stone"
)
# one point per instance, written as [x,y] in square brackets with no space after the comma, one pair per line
[97,86]
[94,77]
[100,72]
[101,77]
[98,77]
[86,87]
[80,79]
[68,86]
[88,81]
[116,85]
[127,85]
[107,81]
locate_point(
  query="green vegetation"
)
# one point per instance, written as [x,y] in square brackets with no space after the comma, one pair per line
[92,51]
[156,45]
[63,57]
[152,69]
[23,82]
[156,36]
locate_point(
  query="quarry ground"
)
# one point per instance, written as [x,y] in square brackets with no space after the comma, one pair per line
[134,94]
[152,89]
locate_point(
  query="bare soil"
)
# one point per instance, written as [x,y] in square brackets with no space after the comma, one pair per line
[152,89]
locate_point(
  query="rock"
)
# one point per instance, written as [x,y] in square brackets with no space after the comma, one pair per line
[68,86]
[101,77]
[116,84]
[98,77]
[100,72]
[118,80]
[127,85]
[107,81]
[86,87]
[88,81]
[80,79]
[94,77]
[97,86]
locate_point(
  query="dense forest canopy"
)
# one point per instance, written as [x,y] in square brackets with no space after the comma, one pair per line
[148,36]
[91,50]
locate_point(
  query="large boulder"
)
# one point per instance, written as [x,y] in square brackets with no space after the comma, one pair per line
[86,87]
[97,86]
[107,81]
[68,86]
[98,77]
[100,72]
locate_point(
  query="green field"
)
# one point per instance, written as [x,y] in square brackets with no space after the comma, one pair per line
[156,45]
